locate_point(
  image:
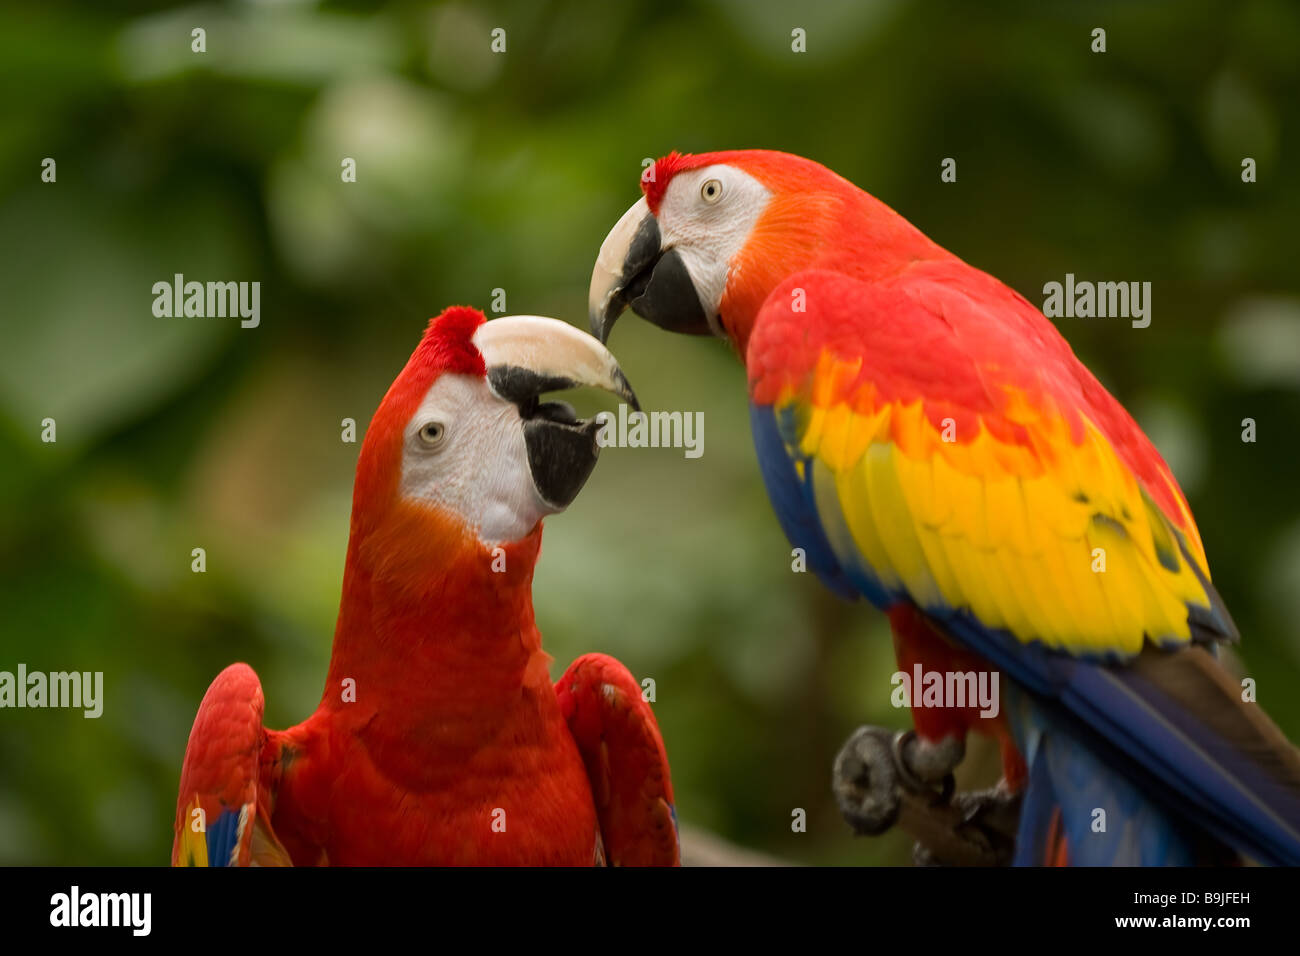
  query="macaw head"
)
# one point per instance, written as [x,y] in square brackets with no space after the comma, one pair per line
[716,232]
[463,451]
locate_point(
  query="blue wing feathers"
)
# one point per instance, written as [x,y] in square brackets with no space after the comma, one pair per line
[792,501]
[222,837]
[1105,819]
[1122,716]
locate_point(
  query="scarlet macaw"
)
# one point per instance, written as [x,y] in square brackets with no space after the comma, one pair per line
[930,441]
[439,738]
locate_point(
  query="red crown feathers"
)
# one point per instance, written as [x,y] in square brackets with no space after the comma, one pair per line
[655,179]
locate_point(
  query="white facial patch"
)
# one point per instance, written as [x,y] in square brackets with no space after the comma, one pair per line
[463,451]
[707,215]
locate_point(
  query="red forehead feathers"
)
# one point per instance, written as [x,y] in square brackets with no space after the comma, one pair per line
[448,343]
[779,172]
[655,178]
[447,346]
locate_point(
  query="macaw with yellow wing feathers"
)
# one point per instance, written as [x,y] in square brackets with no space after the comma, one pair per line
[930,441]
[439,738]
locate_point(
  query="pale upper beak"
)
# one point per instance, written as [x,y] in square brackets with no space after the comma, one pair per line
[527,355]
[634,270]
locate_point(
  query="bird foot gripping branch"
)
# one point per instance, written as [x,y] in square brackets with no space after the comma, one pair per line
[884,778]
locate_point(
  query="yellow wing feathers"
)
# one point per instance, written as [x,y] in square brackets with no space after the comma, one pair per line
[1052,539]
[193,840]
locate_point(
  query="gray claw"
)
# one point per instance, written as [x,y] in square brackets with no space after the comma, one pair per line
[866,782]
[884,778]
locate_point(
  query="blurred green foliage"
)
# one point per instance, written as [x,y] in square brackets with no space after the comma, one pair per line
[479,171]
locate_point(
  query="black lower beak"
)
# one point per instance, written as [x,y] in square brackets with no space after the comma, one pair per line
[655,284]
[562,452]
[561,447]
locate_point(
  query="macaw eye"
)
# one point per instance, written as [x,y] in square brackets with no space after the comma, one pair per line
[711,191]
[432,434]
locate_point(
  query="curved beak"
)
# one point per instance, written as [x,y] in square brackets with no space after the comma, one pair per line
[634,269]
[528,356]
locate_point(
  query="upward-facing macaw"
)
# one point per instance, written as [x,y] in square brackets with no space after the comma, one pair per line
[932,443]
[439,738]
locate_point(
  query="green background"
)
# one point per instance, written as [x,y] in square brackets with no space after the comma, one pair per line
[479,171]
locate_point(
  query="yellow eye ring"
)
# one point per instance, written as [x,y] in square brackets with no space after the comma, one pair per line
[711,191]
